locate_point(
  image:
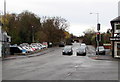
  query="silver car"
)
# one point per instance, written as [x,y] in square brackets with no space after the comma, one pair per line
[100,51]
[81,51]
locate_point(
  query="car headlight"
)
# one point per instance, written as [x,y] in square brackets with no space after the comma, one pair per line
[69,50]
[84,50]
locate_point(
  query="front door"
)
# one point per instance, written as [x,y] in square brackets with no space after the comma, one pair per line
[117,49]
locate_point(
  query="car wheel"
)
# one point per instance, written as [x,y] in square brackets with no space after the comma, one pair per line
[84,54]
[103,53]
[96,53]
[77,54]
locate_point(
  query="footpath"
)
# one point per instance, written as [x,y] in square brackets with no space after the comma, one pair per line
[107,56]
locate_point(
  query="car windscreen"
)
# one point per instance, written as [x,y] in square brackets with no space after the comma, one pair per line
[67,48]
[101,48]
[81,48]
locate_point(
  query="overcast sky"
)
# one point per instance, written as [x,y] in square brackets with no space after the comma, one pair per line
[77,12]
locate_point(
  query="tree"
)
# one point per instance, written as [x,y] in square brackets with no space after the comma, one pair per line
[27,27]
[29,24]
[88,36]
[54,28]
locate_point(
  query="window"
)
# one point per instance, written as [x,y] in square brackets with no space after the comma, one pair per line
[117,28]
[118,49]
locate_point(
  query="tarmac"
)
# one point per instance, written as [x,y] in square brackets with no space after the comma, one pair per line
[95,57]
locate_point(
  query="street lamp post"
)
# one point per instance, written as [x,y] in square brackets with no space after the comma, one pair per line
[98,30]
[97,16]
[33,34]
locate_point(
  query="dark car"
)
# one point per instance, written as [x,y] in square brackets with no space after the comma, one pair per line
[61,44]
[16,49]
[81,51]
[67,50]
[101,50]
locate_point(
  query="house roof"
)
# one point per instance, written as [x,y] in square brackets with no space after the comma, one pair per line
[117,19]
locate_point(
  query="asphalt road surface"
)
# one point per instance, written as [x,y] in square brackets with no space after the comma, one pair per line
[55,66]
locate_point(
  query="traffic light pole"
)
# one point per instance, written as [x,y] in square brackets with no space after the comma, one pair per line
[98,46]
[98,29]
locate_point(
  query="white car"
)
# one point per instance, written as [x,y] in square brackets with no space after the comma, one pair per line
[28,48]
[34,47]
[83,45]
[81,51]
[100,51]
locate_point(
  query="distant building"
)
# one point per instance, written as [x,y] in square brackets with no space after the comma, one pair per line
[119,8]
[4,42]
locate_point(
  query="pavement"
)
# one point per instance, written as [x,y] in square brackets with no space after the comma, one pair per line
[107,56]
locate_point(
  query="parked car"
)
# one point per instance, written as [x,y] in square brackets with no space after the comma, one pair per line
[81,51]
[16,49]
[50,44]
[39,46]
[67,50]
[45,44]
[36,46]
[27,48]
[61,44]
[42,46]
[101,50]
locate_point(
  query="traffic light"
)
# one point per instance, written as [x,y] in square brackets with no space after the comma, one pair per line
[98,26]
[98,36]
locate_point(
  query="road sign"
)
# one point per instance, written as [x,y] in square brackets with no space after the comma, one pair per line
[114,38]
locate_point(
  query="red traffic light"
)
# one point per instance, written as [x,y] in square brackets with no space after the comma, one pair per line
[98,33]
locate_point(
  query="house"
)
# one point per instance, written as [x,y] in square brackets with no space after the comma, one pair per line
[115,23]
[4,42]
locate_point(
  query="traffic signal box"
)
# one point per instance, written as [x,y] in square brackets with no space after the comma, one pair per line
[98,36]
[98,26]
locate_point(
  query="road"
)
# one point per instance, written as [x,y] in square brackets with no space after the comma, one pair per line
[55,66]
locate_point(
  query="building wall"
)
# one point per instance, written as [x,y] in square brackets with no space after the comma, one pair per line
[4,43]
[119,8]
[0,42]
